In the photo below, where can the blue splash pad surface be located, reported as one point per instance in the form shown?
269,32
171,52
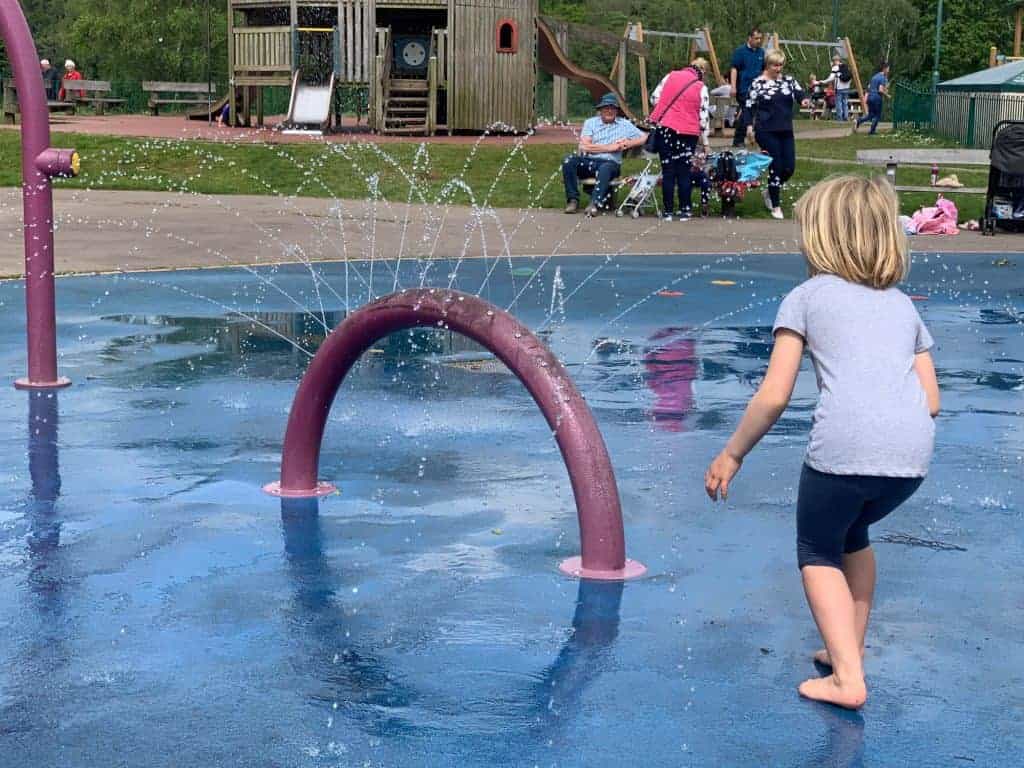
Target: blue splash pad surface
157,609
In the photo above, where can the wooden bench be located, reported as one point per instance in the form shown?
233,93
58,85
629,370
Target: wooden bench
94,92
10,103
926,158
178,93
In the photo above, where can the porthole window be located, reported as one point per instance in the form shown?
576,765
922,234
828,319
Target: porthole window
507,36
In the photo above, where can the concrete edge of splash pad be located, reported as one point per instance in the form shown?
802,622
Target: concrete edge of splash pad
60,274
101,232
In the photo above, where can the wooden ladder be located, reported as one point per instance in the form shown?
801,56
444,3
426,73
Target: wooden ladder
405,110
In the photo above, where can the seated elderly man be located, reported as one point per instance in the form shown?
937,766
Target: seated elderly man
602,141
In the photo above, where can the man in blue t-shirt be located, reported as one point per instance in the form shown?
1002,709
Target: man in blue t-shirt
602,141
747,64
877,88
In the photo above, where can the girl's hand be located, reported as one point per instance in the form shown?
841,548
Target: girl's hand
718,475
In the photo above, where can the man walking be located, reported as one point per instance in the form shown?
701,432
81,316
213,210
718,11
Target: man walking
747,64
877,89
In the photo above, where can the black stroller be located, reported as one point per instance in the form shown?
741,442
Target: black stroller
1004,199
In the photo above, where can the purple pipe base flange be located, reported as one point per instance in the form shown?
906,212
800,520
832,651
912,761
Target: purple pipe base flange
573,567
60,383
322,489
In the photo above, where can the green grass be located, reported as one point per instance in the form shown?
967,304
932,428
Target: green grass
846,148
500,176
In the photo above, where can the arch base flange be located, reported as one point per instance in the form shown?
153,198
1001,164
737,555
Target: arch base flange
573,566
322,489
26,383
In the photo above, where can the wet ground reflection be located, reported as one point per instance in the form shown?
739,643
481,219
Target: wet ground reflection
151,593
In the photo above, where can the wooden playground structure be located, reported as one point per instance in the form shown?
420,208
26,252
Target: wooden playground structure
994,57
425,65
634,42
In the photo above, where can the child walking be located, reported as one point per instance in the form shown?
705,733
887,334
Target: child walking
873,430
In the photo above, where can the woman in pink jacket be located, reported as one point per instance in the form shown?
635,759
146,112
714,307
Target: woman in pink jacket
681,118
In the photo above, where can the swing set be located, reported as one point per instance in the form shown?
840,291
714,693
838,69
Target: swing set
840,46
698,41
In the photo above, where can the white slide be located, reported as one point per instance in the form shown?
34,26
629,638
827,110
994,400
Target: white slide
309,110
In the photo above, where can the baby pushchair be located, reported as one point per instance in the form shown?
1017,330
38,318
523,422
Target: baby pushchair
1004,199
643,188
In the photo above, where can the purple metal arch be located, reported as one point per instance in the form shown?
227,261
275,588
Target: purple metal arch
583,450
38,164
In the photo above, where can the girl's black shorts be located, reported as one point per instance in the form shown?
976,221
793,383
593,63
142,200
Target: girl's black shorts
833,512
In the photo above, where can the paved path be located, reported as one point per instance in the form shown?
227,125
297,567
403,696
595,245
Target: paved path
177,127
108,231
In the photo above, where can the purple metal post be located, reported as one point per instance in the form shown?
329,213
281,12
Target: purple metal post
583,450
38,164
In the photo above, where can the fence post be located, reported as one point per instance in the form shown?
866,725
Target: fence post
970,122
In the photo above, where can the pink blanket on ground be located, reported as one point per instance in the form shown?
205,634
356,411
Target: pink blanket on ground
939,219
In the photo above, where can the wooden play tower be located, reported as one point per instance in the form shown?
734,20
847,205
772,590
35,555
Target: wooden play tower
426,65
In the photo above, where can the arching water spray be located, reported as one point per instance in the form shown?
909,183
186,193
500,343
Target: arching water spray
593,482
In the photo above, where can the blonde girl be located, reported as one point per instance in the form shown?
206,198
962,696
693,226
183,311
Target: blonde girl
873,432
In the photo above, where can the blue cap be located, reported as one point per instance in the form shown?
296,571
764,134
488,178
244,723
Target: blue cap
608,100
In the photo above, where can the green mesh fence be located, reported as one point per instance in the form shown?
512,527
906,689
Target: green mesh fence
913,108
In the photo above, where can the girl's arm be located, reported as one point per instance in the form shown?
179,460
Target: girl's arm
925,369
762,412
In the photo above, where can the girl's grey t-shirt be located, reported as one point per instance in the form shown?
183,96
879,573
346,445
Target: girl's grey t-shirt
872,415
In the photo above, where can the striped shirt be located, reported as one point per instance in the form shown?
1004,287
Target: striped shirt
600,132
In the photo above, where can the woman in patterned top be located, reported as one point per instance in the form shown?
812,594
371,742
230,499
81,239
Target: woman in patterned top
769,109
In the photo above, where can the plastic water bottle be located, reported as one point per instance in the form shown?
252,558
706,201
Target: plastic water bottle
935,173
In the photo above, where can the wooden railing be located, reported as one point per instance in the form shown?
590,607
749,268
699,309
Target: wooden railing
264,49
354,20
382,71
439,46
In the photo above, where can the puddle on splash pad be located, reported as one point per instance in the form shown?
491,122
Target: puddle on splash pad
418,617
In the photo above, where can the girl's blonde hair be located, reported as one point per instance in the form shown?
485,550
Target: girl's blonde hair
774,56
701,63
850,227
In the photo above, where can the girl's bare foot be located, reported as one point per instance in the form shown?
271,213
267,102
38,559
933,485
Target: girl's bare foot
825,660
830,690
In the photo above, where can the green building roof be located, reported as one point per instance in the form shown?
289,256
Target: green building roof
1007,78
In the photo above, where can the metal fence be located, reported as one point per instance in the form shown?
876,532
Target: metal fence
912,107
970,118
964,116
